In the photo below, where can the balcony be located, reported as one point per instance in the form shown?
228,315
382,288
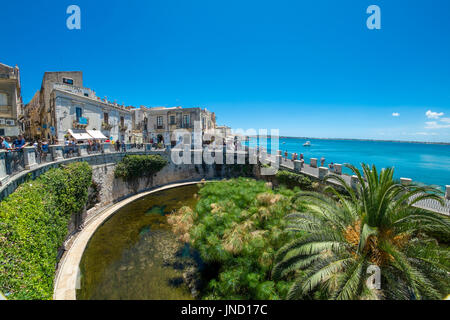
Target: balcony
187,126
106,126
81,123
159,127
123,127
8,75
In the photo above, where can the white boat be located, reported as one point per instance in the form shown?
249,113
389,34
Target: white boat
307,144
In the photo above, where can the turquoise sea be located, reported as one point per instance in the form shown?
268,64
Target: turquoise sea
425,163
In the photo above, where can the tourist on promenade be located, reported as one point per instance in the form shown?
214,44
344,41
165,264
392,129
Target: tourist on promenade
44,150
286,154
19,143
117,145
301,156
322,161
4,144
331,167
124,147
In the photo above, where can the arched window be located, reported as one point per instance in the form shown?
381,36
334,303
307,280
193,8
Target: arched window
3,99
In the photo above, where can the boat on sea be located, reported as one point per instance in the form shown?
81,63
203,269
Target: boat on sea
307,144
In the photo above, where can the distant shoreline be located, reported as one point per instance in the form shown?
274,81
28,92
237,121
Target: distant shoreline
367,140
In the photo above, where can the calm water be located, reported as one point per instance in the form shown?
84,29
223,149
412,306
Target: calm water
426,163
127,258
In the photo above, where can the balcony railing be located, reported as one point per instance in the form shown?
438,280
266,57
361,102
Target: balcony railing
8,76
123,127
106,126
159,126
81,123
187,126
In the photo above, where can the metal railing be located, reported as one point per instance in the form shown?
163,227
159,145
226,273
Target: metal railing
14,162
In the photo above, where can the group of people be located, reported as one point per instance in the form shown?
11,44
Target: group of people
118,146
18,144
94,146
14,156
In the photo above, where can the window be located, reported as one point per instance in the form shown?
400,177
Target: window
3,99
79,113
203,123
68,81
86,94
172,119
105,117
186,119
159,121
122,121
2,132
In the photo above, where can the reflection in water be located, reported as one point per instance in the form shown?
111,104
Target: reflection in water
134,255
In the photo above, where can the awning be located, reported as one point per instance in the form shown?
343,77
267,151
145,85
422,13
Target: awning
80,135
96,134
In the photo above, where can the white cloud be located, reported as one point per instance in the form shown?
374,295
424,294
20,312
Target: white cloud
433,115
446,120
396,114
426,133
435,125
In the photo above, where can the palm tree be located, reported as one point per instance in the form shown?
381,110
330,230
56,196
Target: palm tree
372,224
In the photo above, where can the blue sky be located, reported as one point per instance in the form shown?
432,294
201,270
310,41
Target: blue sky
308,68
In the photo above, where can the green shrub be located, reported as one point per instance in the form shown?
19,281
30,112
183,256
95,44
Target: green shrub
292,180
136,166
33,225
237,227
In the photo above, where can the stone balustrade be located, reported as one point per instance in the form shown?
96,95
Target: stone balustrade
405,181
354,181
298,165
322,172
338,168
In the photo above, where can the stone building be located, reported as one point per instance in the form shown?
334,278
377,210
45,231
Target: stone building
10,101
47,113
224,131
79,109
63,106
159,123
32,118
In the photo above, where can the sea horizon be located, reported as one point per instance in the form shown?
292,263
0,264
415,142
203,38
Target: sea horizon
359,139
427,163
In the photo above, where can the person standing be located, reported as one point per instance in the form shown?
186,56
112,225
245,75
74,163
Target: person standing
322,161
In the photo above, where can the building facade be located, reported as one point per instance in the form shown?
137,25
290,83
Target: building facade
10,101
78,109
63,105
47,113
158,124
32,118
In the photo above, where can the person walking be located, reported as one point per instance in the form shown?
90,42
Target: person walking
322,161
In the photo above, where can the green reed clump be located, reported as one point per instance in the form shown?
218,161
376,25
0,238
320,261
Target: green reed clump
237,226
